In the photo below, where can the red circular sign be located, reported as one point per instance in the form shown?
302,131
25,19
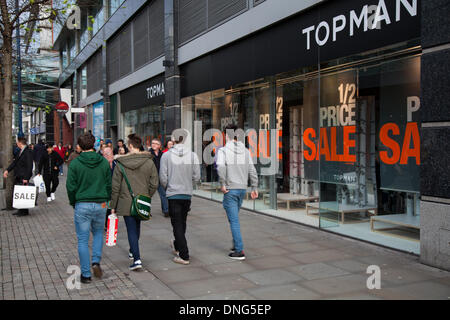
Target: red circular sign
62,107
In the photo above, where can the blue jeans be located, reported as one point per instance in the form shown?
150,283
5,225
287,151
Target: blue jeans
134,232
61,167
164,202
232,202
89,217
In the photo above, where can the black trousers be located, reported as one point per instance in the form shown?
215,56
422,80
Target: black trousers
51,180
178,210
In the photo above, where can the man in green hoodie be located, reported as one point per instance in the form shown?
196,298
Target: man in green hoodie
89,189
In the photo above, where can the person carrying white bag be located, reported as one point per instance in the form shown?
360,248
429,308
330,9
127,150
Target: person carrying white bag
49,166
39,183
23,169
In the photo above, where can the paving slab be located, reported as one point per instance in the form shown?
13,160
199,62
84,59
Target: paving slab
231,295
315,271
183,274
234,267
427,290
271,262
271,277
283,292
338,285
204,287
350,265
319,256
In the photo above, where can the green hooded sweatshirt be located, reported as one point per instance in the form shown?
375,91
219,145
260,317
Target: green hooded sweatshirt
89,179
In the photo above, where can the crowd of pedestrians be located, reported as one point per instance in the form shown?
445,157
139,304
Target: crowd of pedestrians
106,181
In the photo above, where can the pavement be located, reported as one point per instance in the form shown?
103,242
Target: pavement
284,260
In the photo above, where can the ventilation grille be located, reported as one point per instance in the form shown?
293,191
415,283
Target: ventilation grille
219,10
156,30
192,19
141,39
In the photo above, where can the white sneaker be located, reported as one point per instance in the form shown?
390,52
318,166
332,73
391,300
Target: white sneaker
179,260
52,195
49,199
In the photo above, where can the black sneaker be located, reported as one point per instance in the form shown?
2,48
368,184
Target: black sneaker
137,265
85,279
237,255
98,272
166,214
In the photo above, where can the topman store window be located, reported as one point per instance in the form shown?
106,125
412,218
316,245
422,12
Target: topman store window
142,110
336,143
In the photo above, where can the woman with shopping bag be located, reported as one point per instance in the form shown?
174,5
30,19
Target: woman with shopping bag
135,173
23,169
49,165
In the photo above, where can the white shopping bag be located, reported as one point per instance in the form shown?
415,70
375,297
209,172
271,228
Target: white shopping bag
39,182
111,230
24,197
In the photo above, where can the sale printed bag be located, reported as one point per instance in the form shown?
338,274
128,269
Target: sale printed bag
24,197
39,182
111,230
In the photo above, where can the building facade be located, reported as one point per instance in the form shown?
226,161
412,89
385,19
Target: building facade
342,104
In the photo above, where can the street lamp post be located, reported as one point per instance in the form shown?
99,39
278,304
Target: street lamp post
19,74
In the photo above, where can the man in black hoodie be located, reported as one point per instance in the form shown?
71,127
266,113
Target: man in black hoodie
38,152
50,162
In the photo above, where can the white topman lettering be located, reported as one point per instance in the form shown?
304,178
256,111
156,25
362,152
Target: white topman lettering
155,91
371,17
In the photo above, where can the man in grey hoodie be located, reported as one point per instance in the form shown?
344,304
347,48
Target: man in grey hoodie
235,166
179,167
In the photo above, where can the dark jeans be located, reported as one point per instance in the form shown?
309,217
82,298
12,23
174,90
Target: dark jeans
134,232
178,210
53,180
162,196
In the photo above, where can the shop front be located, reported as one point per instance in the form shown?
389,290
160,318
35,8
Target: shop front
142,110
328,101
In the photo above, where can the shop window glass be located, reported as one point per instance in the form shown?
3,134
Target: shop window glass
369,150
145,122
345,138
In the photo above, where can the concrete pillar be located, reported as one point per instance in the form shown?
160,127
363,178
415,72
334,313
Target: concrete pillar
172,110
105,86
435,134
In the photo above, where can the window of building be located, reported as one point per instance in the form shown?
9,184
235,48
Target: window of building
64,57
338,149
114,5
145,122
83,82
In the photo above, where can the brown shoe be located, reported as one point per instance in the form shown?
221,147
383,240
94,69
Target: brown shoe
98,273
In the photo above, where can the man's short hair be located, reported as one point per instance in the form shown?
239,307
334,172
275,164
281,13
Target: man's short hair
22,140
135,141
48,146
232,129
157,140
86,141
177,139
120,140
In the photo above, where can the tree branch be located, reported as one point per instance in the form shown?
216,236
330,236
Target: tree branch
28,7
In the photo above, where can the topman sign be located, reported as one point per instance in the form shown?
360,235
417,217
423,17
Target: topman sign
371,17
155,90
